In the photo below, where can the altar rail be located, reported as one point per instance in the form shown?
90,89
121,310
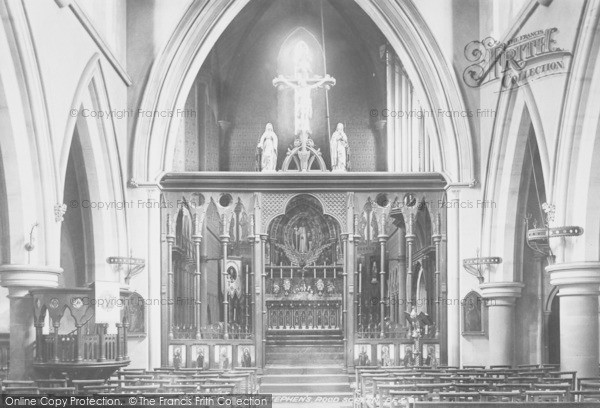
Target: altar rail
303,315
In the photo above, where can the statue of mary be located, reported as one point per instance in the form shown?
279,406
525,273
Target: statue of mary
267,149
339,149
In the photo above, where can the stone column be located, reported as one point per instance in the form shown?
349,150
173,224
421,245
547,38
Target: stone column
19,279
500,299
578,287
22,335
454,268
154,272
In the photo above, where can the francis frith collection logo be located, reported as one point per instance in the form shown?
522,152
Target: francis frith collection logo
515,62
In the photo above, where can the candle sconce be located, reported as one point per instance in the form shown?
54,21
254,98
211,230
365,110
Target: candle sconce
134,265
538,238
476,266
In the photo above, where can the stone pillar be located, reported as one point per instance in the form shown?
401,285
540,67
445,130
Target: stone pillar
22,335
20,279
154,267
578,287
500,299
454,268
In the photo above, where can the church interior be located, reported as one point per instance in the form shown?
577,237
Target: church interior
336,202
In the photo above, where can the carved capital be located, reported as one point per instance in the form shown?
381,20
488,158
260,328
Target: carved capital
59,212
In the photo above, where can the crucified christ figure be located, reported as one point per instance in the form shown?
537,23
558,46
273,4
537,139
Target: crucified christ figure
303,83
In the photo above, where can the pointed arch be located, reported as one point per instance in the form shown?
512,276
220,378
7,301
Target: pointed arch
28,160
577,176
173,74
101,158
518,118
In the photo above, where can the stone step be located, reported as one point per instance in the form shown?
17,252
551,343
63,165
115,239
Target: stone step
285,369
297,387
287,360
296,348
306,336
300,341
304,352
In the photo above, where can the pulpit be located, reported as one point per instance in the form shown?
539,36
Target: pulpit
69,342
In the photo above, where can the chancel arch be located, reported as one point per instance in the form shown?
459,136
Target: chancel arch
192,41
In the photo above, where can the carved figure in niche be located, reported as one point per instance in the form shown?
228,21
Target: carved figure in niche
339,149
267,149
302,239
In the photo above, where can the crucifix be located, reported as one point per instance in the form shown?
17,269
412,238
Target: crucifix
303,83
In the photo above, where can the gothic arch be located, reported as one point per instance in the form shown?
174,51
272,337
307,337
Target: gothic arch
176,67
517,118
25,143
102,163
576,178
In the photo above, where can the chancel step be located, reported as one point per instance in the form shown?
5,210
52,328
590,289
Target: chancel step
290,370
